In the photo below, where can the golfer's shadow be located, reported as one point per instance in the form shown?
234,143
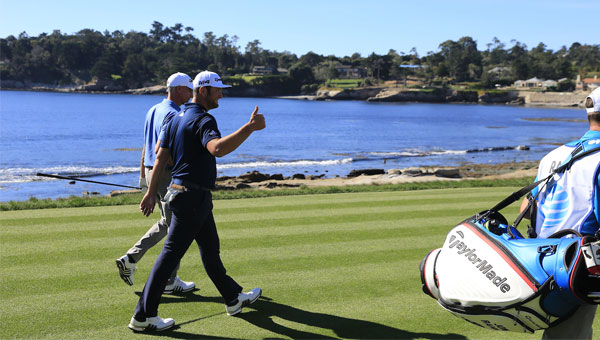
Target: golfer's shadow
266,309
187,297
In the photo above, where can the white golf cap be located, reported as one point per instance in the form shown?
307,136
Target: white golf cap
595,96
180,79
207,78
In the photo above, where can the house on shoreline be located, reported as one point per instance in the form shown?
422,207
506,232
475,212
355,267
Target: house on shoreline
537,83
587,83
267,70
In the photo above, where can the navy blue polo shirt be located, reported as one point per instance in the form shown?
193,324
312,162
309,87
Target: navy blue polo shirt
186,136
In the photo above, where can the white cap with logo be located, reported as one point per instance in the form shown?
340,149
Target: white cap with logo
595,96
207,78
179,79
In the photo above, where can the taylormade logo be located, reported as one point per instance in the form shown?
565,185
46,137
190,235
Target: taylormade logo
483,266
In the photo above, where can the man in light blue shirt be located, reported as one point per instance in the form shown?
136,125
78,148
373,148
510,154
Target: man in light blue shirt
571,201
179,91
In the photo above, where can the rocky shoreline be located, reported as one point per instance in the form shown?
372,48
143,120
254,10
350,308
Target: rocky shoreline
392,94
257,180
371,94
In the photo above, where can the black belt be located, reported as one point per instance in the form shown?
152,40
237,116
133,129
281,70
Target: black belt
168,167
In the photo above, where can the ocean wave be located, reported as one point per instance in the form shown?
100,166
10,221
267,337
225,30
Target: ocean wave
277,164
17,175
418,153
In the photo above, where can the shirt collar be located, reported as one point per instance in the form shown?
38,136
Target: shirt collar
591,134
171,104
196,106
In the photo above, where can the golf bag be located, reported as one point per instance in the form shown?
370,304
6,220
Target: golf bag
486,273
506,282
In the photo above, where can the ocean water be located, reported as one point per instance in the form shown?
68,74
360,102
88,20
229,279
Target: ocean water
100,136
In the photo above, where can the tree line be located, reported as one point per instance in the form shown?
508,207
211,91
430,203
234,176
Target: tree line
138,59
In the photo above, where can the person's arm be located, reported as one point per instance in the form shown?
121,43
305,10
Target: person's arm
220,147
142,172
143,184
524,206
157,147
158,143
149,200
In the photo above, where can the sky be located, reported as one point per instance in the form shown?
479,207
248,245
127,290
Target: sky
326,27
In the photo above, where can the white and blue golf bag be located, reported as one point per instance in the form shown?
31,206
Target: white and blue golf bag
502,281
488,274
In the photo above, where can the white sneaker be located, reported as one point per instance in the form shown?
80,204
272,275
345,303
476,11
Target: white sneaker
126,269
155,323
179,286
244,299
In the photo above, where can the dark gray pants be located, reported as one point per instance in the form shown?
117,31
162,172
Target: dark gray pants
192,220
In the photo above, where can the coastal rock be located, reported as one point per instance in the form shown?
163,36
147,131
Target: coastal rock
157,89
90,193
503,97
298,176
115,193
352,94
499,148
253,177
412,172
409,95
462,96
100,86
276,177
394,172
447,173
242,186
269,185
367,172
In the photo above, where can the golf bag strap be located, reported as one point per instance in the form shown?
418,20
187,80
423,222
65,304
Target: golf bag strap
575,155
532,207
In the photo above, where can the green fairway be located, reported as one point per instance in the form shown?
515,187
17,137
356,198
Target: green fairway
331,266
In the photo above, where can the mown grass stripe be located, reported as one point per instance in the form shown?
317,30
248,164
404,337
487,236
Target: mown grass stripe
330,269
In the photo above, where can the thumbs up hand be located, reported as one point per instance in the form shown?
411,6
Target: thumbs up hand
257,120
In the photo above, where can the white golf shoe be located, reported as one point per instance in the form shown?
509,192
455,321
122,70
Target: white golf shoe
155,323
244,299
179,286
126,269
